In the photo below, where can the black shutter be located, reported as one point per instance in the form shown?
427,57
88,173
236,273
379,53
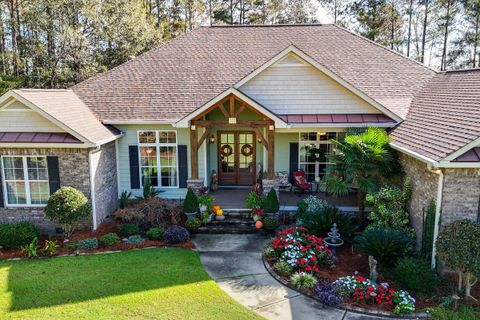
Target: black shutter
53,174
293,159
1,187
182,166
134,167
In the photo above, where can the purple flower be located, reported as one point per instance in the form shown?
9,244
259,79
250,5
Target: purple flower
326,292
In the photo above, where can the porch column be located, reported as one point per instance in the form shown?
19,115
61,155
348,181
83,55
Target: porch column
193,152
271,152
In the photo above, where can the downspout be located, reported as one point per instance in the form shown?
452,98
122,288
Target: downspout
438,211
92,186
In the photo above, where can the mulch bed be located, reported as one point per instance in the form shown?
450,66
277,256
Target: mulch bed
348,262
104,228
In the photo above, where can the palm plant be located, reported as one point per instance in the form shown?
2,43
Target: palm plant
359,161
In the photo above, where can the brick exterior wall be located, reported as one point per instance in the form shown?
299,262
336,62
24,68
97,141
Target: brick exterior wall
461,195
105,181
424,189
74,172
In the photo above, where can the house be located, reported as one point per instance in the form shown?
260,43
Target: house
240,100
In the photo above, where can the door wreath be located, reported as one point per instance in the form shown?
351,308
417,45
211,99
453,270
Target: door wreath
226,150
247,150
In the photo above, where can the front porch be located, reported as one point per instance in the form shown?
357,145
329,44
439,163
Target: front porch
234,198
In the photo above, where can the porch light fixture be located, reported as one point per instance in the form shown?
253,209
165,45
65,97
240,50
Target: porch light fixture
321,133
271,127
212,139
232,120
193,128
259,140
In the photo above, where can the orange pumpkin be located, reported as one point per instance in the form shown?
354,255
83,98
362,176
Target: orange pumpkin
259,224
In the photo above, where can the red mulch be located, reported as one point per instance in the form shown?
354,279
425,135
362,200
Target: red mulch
350,261
103,229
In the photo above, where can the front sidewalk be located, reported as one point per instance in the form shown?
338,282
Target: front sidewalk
234,262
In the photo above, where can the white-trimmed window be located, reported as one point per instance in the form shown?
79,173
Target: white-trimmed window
314,148
25,180
157,150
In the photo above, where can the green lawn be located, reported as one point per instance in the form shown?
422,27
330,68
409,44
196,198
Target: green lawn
139,284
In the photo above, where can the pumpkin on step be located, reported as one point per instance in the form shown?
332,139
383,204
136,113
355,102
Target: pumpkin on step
259,224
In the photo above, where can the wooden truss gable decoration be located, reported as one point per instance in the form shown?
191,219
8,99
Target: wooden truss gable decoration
231,120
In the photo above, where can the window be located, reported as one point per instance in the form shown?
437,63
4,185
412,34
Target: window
314,148
25,180
158,158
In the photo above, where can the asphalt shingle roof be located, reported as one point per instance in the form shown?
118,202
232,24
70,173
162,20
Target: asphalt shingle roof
172,80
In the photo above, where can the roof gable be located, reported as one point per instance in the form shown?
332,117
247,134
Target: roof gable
294,83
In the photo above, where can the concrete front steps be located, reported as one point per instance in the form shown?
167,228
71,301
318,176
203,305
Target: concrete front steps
236,222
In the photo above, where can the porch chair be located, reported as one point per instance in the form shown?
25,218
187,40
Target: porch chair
281,180
300,183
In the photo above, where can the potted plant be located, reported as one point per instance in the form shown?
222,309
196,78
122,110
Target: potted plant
271,206
205,202
190,204
257,214
217,210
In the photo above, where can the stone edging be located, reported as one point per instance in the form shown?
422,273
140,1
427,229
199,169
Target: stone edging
420,315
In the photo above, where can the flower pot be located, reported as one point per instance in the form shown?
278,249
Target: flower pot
203,208
191,215
256,218
220,218
210,218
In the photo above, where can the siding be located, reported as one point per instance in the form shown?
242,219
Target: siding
18,118
130,138
292,88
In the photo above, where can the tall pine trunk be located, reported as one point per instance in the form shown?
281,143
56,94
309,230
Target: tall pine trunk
445,38
13,28
2,42
409,36
475,43
424,34
361,195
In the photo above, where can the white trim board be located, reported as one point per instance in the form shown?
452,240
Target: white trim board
303,56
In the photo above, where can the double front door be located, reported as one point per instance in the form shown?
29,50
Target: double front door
236,158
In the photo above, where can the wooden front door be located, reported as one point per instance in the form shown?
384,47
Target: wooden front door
236,158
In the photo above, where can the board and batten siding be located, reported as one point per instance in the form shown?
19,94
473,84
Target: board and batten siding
19,118
130,139
292,86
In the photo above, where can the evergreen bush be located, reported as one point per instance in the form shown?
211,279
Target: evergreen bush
271,204
16,235
416,275
190,204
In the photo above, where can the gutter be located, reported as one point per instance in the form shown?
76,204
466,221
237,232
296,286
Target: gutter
92,186
438,211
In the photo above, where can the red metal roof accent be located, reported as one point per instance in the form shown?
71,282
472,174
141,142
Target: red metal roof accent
472,155
37,137
336,118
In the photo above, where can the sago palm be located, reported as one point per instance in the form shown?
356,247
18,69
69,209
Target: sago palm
359,161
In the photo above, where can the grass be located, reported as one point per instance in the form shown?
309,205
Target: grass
139,284
462,313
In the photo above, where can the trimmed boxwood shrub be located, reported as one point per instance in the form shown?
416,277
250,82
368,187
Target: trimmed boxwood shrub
193,223
135,239
66,207
110,239
18,234
128,229
176,234
155,233
417,275
88,244
271,204
270,223
190,204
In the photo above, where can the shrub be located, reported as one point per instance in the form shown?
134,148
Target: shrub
31,249
271,204
193,223
176,234
320,221
254,200
50,247
110,239
387,244
282,266
329,293
67,206
18,234
190,204
303,280
390,208
302,251
312,204
124,198
416,275
135,239
88,244
459,247
152,212
464,312
207,201
270,223
155,233
149,191
128,229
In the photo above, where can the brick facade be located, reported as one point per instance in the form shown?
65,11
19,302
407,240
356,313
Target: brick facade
424,189
74,172
460,197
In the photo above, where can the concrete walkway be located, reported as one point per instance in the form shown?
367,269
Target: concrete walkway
235,263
